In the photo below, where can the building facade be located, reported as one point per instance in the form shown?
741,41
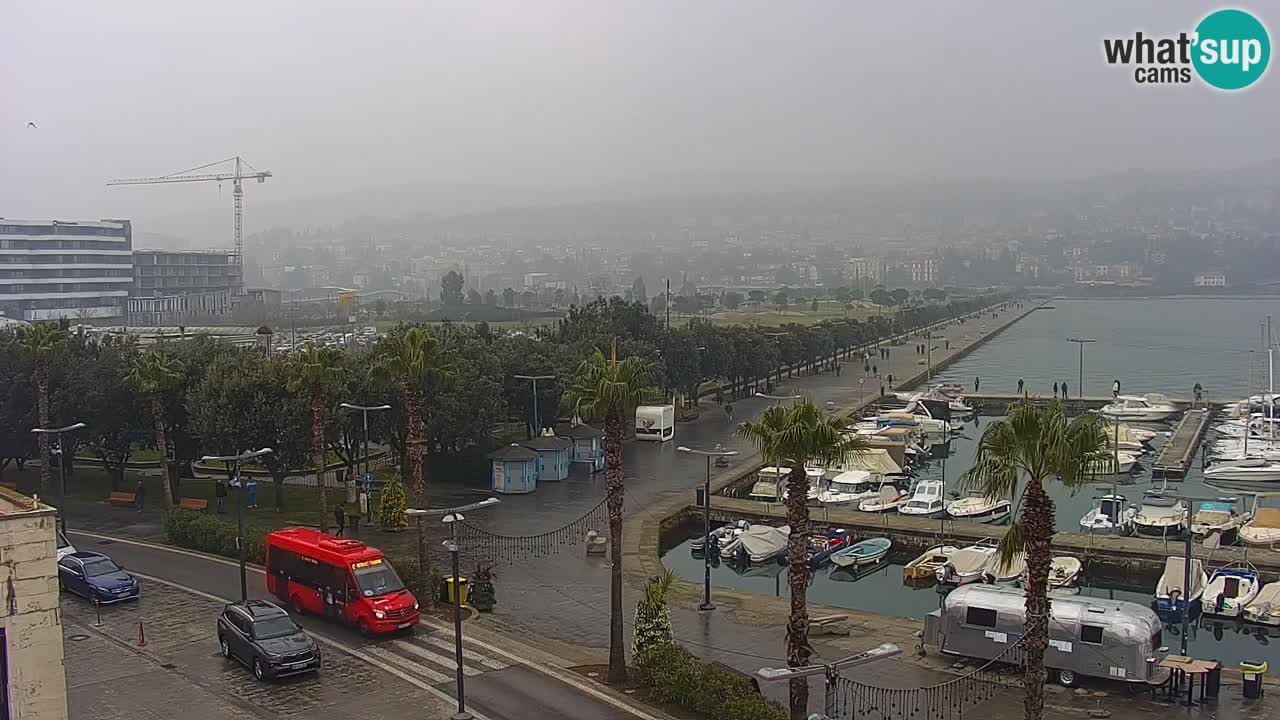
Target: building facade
32,680
1210,280
177,287
51,269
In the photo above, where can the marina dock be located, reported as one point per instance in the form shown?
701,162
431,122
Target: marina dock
998,403
1177,454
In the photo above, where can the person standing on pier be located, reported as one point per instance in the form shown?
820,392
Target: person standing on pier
1020,385
1198,392
976,382
1115,389
1055,389
1064,389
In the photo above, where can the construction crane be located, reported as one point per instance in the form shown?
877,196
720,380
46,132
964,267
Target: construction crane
241,171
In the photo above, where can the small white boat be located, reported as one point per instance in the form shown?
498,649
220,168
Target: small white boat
889,498
926,565
859,554
966,564
1003,573
1064,572
697,543
1217,517
1120,462
1265,608
1162,517
1142,434
847,489
1172,592
1263,530
1123,437
926,501
1255,469
979,508
1111,516
759,543
1229,590
1141,408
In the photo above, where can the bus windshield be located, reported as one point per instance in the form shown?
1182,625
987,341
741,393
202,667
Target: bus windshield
377,579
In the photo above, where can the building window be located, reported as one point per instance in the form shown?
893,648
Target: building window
1091,634
982,617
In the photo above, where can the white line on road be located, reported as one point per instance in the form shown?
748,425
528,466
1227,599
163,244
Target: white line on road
484,660
440,660
409,665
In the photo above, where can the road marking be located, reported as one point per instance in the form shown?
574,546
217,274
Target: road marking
442,661
359,655
468,654
409,665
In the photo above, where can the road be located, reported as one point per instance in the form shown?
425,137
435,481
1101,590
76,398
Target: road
499,685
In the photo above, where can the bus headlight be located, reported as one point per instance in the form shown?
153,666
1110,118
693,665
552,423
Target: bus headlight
415,604
379,614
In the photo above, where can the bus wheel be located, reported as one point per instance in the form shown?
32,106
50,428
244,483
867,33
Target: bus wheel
296,603
364,627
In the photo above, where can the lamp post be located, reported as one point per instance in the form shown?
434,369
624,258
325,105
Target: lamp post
62,471
537,419
706,520
233,473
831,671
1081,342
452,516
365,410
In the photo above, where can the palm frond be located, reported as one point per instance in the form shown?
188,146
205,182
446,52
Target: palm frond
1012,544
609,384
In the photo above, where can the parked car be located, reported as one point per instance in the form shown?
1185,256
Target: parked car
65,547
95,577
263,637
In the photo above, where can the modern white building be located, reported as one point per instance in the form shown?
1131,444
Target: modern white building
52,269
1210,279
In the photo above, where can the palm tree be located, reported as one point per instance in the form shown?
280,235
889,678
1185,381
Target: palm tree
40,342
414,359
316,372
795,436
611,388
1035,444
154,373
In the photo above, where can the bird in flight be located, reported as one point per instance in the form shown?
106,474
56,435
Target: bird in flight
31,125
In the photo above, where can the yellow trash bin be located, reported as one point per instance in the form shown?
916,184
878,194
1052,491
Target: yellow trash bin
462,590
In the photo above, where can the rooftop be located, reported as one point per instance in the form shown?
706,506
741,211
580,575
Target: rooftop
14,503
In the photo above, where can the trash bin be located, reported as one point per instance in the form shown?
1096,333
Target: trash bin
1213,681
462,590
1253,672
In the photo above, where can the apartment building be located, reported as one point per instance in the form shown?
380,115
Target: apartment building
51,269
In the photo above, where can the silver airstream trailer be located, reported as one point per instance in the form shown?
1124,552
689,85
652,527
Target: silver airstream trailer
1088,637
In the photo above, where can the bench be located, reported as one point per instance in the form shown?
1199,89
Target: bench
193,504
122,499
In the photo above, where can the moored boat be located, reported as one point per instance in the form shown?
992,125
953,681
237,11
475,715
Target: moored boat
1250,469
1111,516
1264,609
1263,530
979,508
696,545
1004,573
821,547
926,565
1172,591
926,501
1217,517
1064,572
867,552
1162,517
1141,408
966,564
889,498
759,543
1229,590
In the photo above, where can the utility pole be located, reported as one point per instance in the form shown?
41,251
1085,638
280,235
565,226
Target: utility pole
1081,342
62,471
706,520
537,418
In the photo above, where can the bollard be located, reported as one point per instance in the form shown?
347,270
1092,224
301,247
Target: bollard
142,635
97,612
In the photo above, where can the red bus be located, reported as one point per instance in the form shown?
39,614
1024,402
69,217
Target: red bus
344,580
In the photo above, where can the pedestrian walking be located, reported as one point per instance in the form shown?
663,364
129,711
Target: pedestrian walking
837,369
340,516
1115,389
362,504
1064,389
1198,392
1020,385
976,382
140,495
251,488
866,368
875,370
728,410
1055,389
220,492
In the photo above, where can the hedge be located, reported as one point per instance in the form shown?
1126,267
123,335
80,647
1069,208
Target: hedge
675,676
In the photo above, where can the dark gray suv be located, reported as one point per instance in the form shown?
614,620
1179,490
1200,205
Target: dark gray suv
263,637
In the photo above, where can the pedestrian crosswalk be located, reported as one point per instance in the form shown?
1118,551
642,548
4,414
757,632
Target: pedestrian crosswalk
430,657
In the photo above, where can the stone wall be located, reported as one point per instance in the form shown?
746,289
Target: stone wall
29,611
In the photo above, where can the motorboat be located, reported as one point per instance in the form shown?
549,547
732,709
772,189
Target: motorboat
847,489
1264,403
966,565
1160,516
728,539
1263,530
889,498
1140,408
696,545
926,565
769,485
979,508
759,543
1229,590
1256,469
1111,516
1144,435
1264,609
1064,572
822,546
1217,517
1004,573
814,478
1122,437
926,501
867,552
1172,591
1120,462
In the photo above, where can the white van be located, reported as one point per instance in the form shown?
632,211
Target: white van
656,422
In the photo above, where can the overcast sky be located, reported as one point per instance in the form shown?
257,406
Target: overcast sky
338,95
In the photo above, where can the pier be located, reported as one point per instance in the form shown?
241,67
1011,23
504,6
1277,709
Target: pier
1178,453
998,403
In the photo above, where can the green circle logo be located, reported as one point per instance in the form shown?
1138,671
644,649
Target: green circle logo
1232,49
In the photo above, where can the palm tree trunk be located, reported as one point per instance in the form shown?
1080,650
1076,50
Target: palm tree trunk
317,452
166,483
798,649
41,380
613,477
1037,521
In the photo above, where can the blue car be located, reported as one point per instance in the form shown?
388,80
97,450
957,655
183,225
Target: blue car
96,577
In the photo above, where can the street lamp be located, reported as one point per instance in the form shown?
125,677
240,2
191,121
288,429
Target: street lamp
368,476
706,520
453,516
233,473
62,472
537,419
1081,342
831,671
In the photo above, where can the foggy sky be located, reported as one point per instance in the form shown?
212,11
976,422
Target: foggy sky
569,94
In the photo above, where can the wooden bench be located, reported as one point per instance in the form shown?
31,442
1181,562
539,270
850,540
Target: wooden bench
193,504
122,499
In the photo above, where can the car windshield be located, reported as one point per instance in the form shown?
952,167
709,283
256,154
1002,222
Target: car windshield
274,627
62,540
99,566
378,579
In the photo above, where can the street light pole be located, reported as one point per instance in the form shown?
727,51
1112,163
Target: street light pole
453,516
233,473
364,410
830,671
537,419
62,468
706,521
1081,342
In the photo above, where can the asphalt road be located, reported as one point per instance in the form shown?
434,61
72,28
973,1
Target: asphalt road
497,688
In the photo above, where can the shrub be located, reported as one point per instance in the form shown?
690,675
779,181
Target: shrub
677,677
407,569
199,531
391,505
653,618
